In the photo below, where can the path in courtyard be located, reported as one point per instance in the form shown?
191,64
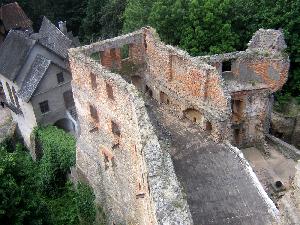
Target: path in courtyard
219,188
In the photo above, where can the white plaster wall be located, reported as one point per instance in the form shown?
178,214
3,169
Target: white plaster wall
38,49
27,120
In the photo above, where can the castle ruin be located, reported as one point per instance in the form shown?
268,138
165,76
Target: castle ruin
158,128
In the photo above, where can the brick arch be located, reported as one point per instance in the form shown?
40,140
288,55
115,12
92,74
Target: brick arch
193,115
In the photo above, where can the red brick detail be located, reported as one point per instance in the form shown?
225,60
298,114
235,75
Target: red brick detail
111,58
107,153
261,68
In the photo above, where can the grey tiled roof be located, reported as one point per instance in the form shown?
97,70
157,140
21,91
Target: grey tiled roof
51,37
16,49
33,77
13,53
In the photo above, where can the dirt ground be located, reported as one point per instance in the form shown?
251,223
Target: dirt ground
271,168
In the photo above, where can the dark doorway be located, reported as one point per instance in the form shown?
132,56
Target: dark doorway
164,98
68,99
237,134
65,124
137,81
237,106
208,127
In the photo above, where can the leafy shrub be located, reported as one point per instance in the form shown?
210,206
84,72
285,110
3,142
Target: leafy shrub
20,203
38,193
282,101
63,208
58,156
85,203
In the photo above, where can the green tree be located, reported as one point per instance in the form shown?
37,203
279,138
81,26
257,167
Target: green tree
20,202
58,156
170,19
136,14
104,19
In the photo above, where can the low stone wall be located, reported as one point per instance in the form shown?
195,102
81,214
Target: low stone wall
285,148
286,128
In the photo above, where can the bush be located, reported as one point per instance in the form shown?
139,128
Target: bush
63,208
20,203
59,154
282,101
38,193
85,203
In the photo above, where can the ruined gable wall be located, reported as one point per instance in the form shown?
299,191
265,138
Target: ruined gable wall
131,176
175,69
264,61
273,72
178,80
117,185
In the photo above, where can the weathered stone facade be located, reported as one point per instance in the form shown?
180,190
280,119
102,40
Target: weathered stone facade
119,152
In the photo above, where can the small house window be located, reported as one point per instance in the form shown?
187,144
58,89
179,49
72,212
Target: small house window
60,77
44,107
68,99
93,80
94,113
115,128
109,91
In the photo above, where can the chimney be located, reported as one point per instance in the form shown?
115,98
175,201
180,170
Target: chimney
63,27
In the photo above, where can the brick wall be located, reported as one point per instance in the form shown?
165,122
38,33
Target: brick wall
125,168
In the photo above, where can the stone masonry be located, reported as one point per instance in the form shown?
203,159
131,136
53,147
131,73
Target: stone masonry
227,97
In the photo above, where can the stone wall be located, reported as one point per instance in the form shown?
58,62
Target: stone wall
286,149
174,75
286,128
118,152
250,77
251,123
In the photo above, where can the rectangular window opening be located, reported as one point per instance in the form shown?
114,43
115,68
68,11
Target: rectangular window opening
94,114
96,56
44,107
115,129
109,91
60,77
125,52
226,66
93,81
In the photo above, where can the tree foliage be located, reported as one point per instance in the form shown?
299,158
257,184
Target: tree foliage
103,19
136,14
38,192
218,26
19,204
58,156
